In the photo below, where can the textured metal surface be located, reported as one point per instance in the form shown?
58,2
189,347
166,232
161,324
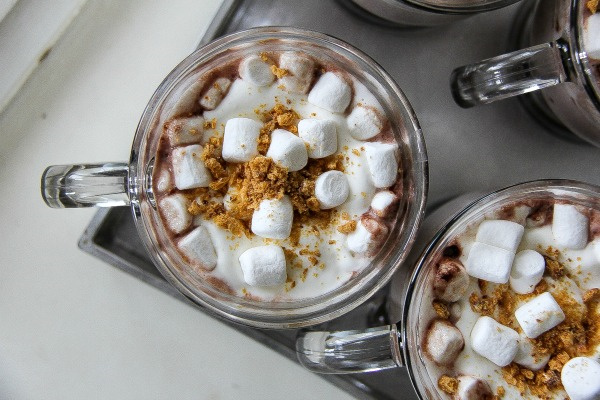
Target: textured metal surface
472,150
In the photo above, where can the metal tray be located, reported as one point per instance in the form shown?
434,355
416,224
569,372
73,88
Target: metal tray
471,150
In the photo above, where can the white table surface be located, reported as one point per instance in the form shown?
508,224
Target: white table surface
71,326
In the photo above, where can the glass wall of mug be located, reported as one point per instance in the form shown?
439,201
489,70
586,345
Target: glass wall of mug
415,13
557,69
439,304
186,227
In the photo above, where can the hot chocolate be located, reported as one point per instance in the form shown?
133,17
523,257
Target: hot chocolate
514,305
278,180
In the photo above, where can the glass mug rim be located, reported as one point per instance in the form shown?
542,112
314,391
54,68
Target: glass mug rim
483,204
466,8
342,299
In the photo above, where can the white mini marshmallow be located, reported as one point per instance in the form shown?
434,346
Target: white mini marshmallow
174,209
264,266
185,130
500,233
188,168
443,342
539,315
494,341
198,247
215,93
331,93
527,357
288,150
581,378
451,280
382,202
300,71
596,249
320,135
471,388
382,163
255,71
273,218
240,140
360,240
331,189
569,226
364,123
527,271
591,36
489,263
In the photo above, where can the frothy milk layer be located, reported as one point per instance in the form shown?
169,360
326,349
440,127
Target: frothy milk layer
582,273
319,260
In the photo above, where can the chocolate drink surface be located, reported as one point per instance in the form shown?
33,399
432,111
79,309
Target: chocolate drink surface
282,182
513,307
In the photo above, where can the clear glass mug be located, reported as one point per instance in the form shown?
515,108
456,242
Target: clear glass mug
120,184
553,67
415,13
400,345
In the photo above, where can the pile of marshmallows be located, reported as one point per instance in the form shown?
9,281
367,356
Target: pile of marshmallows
265,265
492,258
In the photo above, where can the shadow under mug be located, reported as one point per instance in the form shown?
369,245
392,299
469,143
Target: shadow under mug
421,13
122,184
400,345
562,81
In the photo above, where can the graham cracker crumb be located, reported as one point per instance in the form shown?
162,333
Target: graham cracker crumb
348,227
592,5
278,72
448,384
441,309
212,124
500,391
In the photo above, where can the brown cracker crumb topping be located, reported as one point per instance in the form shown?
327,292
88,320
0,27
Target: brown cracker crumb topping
448,384
441,309
592,5
348,227
278,72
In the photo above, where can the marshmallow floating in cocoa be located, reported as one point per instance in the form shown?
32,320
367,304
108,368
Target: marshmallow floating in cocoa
471,388
254,70
489,263
175,212
240,140
383,203
382,163
188,168
451,280
364,123
300,70
331,93
215,93
527,271
569,226
591,36
287,150
500,233
331,189
320,135
494,341
198,248
527,357
264,266
581,378
443,342
539,315
366,236
185,130
273,218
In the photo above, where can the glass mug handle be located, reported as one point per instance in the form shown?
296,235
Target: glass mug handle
85,185
509,75
344,352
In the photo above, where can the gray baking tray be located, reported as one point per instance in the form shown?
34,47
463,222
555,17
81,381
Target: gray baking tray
473,150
